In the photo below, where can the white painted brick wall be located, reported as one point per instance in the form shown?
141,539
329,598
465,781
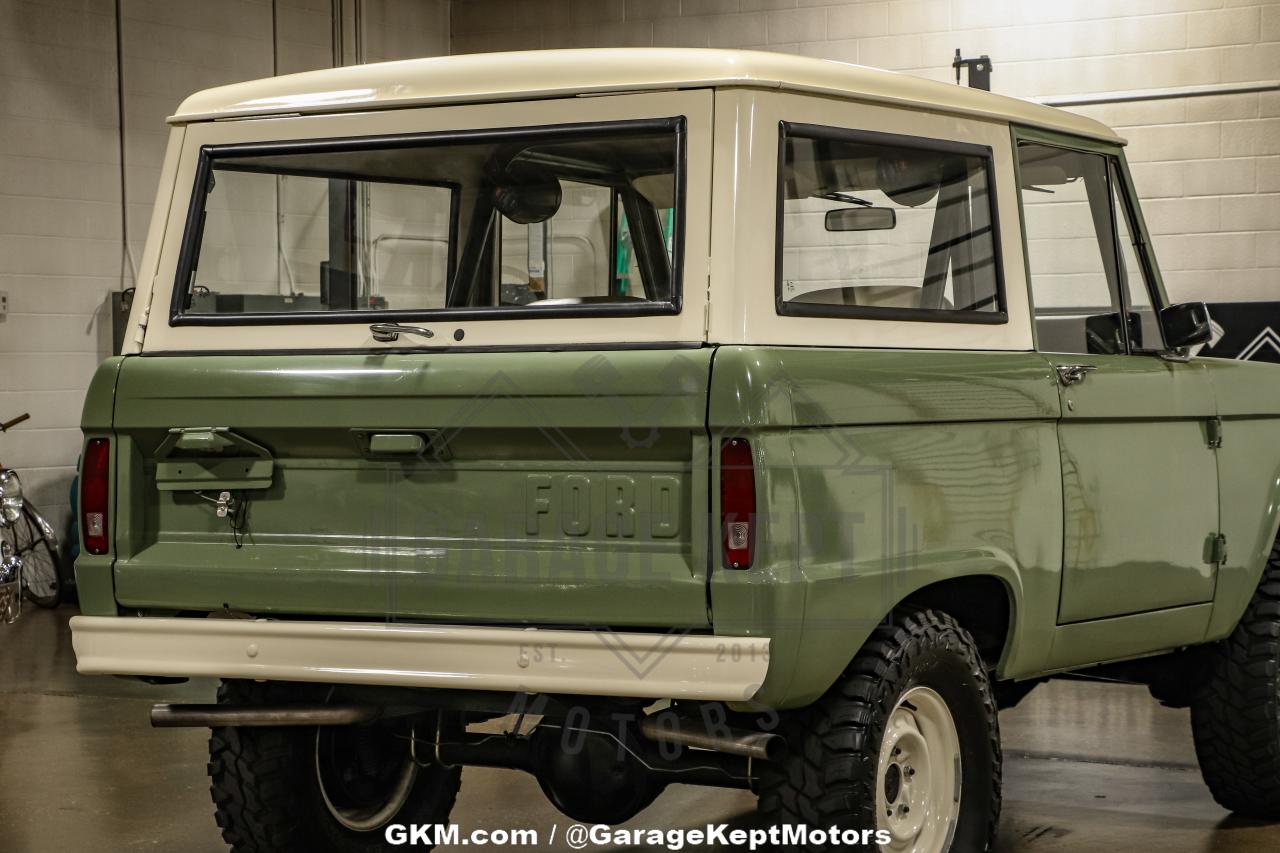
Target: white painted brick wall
60,171
1208,168
59,226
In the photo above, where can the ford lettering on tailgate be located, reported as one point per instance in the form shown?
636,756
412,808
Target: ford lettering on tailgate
614,505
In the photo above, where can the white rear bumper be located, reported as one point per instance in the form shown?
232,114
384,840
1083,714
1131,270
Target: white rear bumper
601,663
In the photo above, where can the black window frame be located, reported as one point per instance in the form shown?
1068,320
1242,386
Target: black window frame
985,153
193,228
1122,201
1122,204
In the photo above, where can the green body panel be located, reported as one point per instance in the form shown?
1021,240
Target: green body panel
567,494
100,399
1248,401
882,473
1139,486
775,387
1087,643
94,583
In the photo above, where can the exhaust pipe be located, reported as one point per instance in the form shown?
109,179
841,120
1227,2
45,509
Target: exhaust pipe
210,716
759,746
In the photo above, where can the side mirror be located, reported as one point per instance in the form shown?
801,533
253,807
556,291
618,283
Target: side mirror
861,219
1186,325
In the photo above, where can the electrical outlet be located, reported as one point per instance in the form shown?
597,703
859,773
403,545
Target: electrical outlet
4,303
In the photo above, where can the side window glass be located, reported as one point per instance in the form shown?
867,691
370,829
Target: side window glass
1144,322
884,227
1067,212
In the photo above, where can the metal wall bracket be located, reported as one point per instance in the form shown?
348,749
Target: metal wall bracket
979,71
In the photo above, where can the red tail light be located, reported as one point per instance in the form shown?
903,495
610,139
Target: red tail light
737,503
95,475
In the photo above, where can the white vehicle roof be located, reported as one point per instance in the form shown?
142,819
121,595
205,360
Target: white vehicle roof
489,77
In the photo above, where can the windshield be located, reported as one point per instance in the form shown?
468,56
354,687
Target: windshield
535,222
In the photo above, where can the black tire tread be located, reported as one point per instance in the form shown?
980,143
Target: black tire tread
836,737
1235,718
252,787
255,779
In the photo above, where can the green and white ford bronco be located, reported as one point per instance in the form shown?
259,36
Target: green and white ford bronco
716,417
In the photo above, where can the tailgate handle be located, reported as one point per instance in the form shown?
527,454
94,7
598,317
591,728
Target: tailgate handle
419,444
218,459
397,444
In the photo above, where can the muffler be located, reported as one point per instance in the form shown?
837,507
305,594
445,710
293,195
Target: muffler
211,716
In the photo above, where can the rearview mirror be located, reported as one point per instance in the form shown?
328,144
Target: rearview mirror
861,219
1185,325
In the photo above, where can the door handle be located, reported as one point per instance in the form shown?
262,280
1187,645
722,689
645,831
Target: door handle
388,332
1073,374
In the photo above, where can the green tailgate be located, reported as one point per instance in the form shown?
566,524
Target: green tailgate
520,487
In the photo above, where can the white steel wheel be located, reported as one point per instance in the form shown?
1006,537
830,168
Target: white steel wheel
365,777
919,775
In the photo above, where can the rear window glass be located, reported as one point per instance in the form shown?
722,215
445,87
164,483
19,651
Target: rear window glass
881,226
531,222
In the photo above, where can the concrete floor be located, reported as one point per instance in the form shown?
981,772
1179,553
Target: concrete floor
1087,767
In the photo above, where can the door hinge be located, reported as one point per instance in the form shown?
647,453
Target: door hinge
1217,549
1213,429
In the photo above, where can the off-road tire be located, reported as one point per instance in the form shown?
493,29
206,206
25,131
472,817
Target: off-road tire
266,793
1235,717
829,777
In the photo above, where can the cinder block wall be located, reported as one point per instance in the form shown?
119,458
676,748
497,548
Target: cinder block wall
1209,167
63,169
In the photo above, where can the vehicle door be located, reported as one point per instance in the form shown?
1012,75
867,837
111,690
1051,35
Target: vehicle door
1140,486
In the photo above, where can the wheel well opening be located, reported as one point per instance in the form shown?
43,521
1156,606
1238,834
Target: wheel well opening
980,603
